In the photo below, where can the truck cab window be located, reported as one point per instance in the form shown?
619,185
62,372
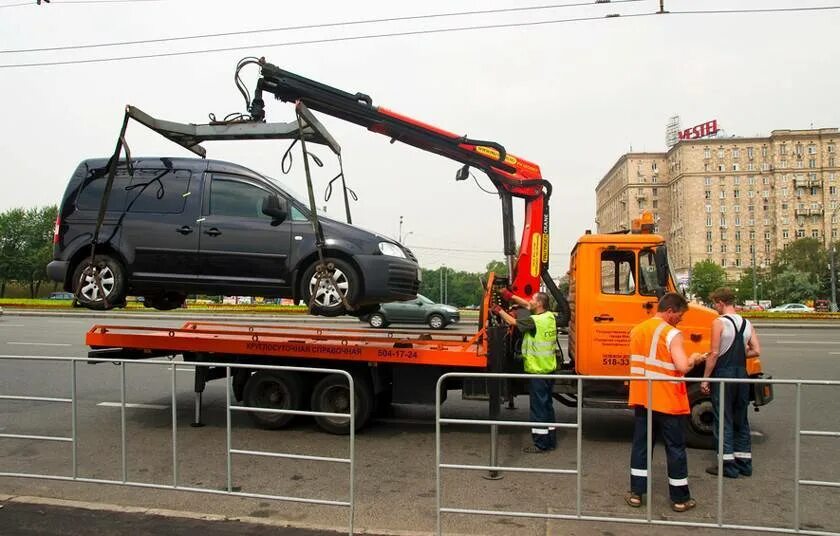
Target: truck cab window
617,272
648,276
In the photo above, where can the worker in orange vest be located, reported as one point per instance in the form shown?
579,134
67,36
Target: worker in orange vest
656,348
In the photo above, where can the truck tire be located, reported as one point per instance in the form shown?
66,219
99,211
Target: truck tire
275,390
331,394
699,432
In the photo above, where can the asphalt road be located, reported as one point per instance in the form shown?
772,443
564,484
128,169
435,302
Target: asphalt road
395,484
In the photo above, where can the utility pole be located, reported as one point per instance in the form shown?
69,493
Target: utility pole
754,275
833,246
441,284
399,234
445,284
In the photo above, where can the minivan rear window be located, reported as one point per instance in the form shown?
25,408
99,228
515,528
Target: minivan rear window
158,191
90,197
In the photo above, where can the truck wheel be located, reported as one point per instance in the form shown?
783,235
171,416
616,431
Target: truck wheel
436,322
377,320
275,390
699,433
327,301
331,394
102,290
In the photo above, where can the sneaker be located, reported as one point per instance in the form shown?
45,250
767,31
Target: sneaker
713,470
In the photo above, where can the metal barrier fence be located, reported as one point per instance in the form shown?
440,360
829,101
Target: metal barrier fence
229,408
578,426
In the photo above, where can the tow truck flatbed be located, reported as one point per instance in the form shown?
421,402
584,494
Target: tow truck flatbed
283,341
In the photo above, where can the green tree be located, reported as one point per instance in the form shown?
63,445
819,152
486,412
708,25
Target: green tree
744,285
793,286
38,234
499,267
12,246
706,276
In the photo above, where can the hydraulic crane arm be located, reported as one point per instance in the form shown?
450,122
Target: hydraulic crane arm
511,175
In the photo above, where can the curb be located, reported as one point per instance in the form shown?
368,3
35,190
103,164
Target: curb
182,514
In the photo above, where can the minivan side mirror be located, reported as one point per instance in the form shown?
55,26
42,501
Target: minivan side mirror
275,207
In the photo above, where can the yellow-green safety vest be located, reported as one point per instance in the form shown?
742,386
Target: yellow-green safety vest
539,349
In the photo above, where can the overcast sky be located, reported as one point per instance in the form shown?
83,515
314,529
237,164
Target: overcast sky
571,97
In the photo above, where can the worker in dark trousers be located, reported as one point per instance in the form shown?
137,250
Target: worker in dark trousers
733,340
539,346
656,351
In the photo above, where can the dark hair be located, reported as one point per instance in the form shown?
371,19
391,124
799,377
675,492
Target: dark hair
672,301
542,299
723,294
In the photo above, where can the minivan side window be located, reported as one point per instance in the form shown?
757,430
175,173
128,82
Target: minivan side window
236,198
297,215
158,191
90,196
648,280
617,272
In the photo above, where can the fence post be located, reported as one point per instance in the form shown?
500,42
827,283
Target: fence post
796,455
74,410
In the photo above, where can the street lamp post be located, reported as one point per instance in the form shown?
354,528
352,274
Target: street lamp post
833,265
754,275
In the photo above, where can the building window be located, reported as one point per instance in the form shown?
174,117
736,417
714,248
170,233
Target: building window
723,221
751,179
749,152
830,147
707,181
723,234
767,235
800,233
799,149
752,248
723,248
708,208
782,149
831,161
722,194
708,236
708,248
783,163
751,208
737,248
815,233
785,234
737,208
723,262
655,191
784,206
708,221
834,233
736,194
784,192
738,261
723,209
737,235
767,248
707,194
813,190
736,180
752,235
764,151
736,167
784,221
800,164
737,221
653,166
721,167
812,149
655,203
707,153
736,153
720,153
765,181
832,190
750,166
812,163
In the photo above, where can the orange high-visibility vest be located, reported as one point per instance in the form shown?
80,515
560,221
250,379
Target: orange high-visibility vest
651,358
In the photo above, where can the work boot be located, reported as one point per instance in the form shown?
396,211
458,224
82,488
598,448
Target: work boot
713,470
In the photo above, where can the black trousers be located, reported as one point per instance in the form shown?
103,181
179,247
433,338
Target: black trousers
542,410
671,429
737,443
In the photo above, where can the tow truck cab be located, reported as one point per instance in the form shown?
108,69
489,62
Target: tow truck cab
615,281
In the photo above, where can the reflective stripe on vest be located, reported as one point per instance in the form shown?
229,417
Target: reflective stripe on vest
654,336
539,349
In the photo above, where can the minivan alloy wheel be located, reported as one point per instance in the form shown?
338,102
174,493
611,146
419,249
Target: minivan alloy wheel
90,286
326,294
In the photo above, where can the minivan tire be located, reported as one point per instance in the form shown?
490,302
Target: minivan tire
113,283
328,303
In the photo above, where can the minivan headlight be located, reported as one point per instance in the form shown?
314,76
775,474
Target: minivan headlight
393,250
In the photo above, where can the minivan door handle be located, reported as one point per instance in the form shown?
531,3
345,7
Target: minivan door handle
603,318
185,230
212,232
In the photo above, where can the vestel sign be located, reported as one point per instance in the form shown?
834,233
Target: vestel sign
709,128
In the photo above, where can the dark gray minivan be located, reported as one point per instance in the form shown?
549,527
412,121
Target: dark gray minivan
178,226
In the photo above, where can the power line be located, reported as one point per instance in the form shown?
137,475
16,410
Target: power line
313,41
462,250
405,34
33,3
311,26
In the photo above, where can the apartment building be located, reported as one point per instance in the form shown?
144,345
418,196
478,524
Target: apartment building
735,201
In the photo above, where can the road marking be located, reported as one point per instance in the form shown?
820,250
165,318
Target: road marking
129,405
807,342
40,343
11,325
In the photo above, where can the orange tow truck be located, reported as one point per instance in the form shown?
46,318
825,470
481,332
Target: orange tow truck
615,280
